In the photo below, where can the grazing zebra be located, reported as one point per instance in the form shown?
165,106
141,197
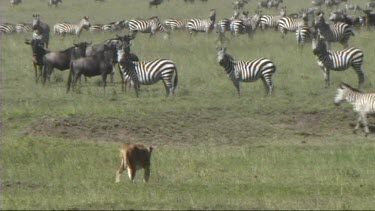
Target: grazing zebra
363,103
337,60
147,73
240,71
339,32
151,26
41,30
272,21
246,25
291,24
7,28
69,28
303,35
54,2
15,2
23,27
110,27
202,25
176,24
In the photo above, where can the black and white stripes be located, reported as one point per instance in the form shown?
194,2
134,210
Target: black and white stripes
70,28
7,28
339,32
272,21
151,26
337,60
363,103
202,25
292,24
240,71
150,72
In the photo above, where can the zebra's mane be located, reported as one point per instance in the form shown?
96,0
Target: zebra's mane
351,88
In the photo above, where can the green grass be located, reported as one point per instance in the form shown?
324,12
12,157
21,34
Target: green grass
294,150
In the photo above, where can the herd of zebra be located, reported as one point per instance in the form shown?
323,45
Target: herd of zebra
309,25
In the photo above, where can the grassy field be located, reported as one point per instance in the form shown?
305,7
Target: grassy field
294,150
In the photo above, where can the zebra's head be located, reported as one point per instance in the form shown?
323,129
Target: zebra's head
85,23
283,11
318,44
341,93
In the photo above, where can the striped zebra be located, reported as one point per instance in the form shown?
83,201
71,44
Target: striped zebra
337,60
225,24
245,25
202,25
363,103
176,24
291,24
303,35
41,30
69,28
23,28
7,28
151,26
54,2
110,27
272,21
339,32
240,71
147,73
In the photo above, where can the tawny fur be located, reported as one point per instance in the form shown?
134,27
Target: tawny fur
135,157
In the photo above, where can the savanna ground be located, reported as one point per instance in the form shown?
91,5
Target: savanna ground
294,150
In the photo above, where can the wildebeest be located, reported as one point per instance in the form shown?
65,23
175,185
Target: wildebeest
100,63
61,59
339,16
155,3
38,52
113,43
369,19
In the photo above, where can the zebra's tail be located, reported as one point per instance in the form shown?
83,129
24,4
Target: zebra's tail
175,82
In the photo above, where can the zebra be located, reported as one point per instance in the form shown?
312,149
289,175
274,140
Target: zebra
363,103
291,24
149,72
202,25
337,60
240,71
303,34
110,27
7,28
23,27
176,24
54,2
339,32
151,26
41,30
246,25
272,20
69,28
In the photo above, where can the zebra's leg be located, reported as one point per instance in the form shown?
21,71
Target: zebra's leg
268,85
364,122
326,76
238,88
168,87
136,87
357,125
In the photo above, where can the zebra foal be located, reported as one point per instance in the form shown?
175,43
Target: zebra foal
337,60
240,71
147,73
363,103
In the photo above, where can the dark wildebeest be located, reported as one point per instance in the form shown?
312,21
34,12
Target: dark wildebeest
155,3
38,52
369,19
100,63
113,43
54,2
61,59
41,30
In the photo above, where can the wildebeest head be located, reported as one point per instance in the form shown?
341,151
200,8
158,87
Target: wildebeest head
36,21
79,49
